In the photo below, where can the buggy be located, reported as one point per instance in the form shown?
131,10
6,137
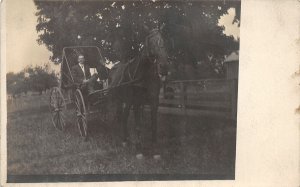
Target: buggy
69,95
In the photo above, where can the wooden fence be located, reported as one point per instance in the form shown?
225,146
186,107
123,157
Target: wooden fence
27,102
209,97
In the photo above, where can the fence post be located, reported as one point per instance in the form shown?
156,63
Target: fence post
183,96
183,105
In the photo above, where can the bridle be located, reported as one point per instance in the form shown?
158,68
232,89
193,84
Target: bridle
148,56
147,43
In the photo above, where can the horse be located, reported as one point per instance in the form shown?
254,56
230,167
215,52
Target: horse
137,83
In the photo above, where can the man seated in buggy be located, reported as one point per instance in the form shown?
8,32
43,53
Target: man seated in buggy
84,80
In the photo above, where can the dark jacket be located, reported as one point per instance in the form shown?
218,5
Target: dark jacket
78,75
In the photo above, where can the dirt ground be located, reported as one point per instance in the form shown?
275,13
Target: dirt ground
195,145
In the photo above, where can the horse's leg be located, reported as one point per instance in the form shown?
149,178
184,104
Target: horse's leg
119,110
125,114
137,116
154,109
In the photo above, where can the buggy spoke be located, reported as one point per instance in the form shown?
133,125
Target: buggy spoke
57,120
81,113
57,96
61,102
79,126
76,103
56,107
55,116
52,109
60,121
63,115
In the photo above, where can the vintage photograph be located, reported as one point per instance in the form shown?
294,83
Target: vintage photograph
121,90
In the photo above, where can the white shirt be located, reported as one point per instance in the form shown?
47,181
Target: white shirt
93,71
82,68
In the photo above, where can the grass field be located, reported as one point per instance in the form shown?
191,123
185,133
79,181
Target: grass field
187,146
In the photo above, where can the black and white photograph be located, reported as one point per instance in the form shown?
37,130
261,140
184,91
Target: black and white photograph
127,90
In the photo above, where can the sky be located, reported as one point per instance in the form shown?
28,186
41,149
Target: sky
230,29
23,49
21,46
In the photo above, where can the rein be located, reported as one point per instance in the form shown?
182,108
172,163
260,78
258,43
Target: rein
144,54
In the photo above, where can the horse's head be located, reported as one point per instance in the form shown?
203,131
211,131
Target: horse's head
156,50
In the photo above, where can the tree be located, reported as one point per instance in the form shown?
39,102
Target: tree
16,83
41,78
117,28
37,79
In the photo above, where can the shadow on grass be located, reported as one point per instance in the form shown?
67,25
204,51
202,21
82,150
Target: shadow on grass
191,146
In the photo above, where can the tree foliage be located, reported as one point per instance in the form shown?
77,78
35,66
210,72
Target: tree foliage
16,83
118,28
36,79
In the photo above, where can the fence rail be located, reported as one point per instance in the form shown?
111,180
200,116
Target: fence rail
209,97
27,102
214,97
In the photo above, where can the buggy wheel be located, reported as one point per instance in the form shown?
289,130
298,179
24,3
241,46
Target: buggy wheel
57,107
81,113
